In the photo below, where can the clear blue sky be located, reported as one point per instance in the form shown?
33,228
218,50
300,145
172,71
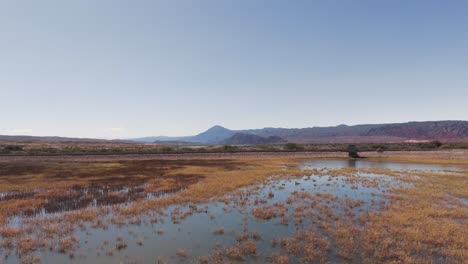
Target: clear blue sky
109,68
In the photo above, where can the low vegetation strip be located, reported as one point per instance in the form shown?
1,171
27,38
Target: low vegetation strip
95,148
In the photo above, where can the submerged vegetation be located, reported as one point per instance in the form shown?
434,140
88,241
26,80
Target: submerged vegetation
366,215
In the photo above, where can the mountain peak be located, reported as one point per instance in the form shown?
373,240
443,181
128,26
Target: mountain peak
217,128
213,135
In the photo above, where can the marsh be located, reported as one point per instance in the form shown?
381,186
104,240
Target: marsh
234,209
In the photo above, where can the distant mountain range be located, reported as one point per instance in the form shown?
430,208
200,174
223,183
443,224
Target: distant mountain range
372,133
397,132
251,139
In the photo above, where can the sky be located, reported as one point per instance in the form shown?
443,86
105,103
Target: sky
123,69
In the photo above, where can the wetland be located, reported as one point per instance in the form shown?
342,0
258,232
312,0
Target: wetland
234,209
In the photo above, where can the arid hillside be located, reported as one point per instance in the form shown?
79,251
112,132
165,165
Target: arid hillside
366,133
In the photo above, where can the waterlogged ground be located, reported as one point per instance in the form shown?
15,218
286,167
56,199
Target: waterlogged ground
369,164
317,216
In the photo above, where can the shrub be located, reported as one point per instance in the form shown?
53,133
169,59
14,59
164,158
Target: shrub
458,145
378,147
430,145
293,146
9,148
436,143
229,148
167,149
72,149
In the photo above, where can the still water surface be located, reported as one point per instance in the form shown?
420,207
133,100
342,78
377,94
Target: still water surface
146,242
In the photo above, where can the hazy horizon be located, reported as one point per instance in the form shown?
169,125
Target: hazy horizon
127,69
18,133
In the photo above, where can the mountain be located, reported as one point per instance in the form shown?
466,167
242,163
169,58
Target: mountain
399,132
423,130
250,139
213,135
313,134
367,133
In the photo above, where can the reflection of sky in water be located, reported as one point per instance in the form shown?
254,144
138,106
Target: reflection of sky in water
195,233
363,164
464,200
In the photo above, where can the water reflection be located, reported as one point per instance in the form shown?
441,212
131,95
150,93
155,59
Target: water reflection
363,164
351,163
195,235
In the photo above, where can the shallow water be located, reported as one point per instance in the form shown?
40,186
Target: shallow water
195,233
367,164
79,197
146,241
85,197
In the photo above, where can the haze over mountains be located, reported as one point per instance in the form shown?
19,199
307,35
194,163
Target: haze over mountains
370,133
397,132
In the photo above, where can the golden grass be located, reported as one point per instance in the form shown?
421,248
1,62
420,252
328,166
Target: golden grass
249,247
280,259
39,177
422,223
218,231
219,182
8,232
13,207
66,244
81,215
26,245
182,253
308,245
428,157
267,212
235,253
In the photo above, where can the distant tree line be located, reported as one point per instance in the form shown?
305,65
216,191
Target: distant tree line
12,149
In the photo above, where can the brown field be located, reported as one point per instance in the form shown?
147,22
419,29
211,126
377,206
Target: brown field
422,222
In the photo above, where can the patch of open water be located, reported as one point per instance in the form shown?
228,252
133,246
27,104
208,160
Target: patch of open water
147,241
366,164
